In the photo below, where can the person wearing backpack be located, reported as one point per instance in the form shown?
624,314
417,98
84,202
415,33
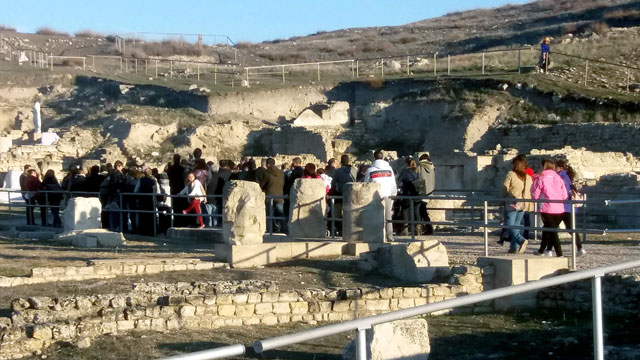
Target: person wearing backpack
425,185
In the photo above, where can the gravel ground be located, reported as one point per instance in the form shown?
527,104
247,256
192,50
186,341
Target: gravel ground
601,250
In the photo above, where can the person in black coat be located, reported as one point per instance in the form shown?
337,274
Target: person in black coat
53,197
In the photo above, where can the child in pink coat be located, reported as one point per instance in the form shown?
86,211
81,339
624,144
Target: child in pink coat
549,185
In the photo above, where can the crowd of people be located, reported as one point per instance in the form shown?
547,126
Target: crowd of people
188,193
191,191
556,181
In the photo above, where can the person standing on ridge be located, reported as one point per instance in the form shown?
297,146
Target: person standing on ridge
545,50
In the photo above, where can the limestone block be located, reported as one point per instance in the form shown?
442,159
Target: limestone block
101,237
308,118
402,339
107,238
363,213
247,256
82,213
308,206
49,138
419,261
337,114
515,270
84,241
5,143
244,220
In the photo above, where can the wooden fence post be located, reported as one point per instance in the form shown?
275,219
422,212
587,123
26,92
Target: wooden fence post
586,72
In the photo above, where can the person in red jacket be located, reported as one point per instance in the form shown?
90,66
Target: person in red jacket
32,186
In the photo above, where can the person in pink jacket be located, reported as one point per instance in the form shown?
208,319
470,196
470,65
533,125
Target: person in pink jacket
549,185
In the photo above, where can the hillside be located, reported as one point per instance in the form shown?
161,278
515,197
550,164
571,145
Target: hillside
455,33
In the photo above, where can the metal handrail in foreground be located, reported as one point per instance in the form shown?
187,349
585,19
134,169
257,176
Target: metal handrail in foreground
217,353
361,325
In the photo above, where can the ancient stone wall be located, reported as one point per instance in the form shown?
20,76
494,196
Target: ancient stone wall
37,322
597,137
620,294
106,269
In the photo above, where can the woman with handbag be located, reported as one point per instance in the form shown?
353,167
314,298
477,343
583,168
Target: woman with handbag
517,185
195,191
549,185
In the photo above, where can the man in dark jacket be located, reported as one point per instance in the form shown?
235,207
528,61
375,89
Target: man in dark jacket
425,185
176,173
345,174
272,183
116,186
93,181
297,171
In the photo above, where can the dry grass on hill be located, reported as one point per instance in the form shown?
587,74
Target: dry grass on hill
45,30
87,34
7,28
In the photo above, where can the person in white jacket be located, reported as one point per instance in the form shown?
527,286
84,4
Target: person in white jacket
196,194
381,172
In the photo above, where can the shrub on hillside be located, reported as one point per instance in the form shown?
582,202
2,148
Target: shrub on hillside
72,62
111,38
244,45
407,39
171,47
7,28
87,34
626,14
50,32
599,28
136,53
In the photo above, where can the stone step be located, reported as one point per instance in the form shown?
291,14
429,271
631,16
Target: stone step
196,235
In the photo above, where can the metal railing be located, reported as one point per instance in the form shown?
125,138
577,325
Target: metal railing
363,324
485,225
127,205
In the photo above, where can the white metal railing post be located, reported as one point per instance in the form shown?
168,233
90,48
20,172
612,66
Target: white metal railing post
482,63
247,70
486,229
353,69
584,219
283,79
535,220
448,64
519,61
318,71
156,68
574,266
413,219
586,72
361,344
596,295
408,72
357,68
435,64
171,69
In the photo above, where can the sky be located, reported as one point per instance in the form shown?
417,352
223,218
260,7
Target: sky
241,20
